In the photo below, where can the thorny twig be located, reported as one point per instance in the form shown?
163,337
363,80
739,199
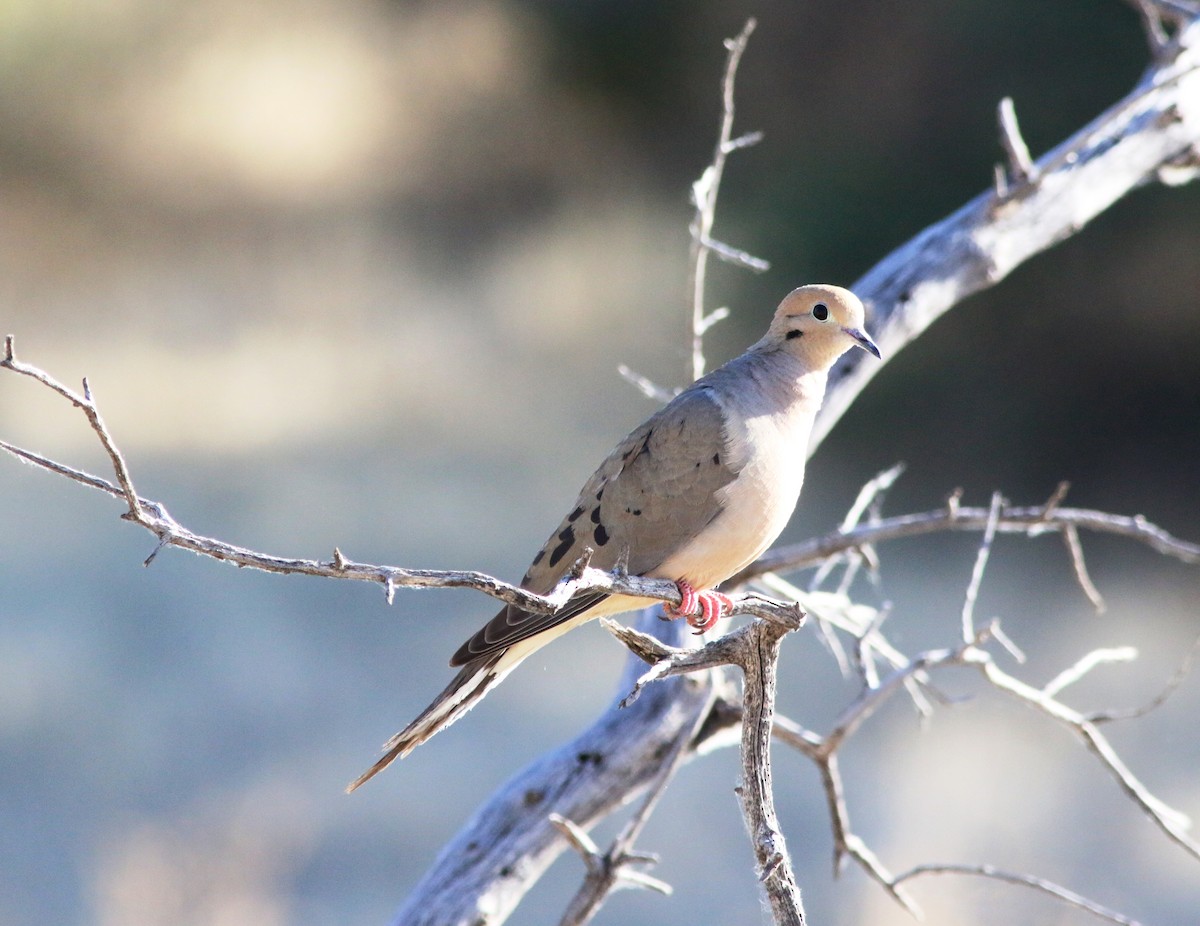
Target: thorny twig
704,196
1021,170
754,648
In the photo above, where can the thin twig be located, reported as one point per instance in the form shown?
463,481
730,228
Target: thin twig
88,406
1097,657
1070,535
1173,823
1039,884
1021,520
1021,169
704,197
755,649
646,386
1173,683
981,560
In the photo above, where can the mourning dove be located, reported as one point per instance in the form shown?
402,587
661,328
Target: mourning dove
693,495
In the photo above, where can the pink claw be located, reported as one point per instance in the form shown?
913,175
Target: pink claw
701,608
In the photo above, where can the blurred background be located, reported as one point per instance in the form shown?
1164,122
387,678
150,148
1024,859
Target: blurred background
361,273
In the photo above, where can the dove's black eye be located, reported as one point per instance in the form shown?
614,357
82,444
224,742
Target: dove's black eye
820,311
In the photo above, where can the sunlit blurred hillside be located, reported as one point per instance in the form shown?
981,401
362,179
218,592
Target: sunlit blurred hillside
361,273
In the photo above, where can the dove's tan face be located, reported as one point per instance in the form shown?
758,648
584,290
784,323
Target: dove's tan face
821,323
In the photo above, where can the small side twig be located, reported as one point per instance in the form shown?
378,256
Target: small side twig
981,560
1070,535
1097,657
1161,19
647,386
85,403
1021,171
606,871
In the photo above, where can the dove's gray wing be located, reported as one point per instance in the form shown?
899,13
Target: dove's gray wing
651,496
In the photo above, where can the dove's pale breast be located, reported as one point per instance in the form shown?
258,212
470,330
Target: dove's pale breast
768,420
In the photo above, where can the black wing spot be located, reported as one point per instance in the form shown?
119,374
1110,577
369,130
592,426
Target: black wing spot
574,514
633,511
794,333
537,559
600,494
567,534
595,516
716,459
601,535
561,550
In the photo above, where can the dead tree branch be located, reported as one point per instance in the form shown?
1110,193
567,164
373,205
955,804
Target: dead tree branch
1155,128
754,648
1031,522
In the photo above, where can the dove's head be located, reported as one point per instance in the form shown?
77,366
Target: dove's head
818,324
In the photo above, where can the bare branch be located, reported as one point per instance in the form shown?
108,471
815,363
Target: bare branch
1096,657
154,517
759,667
88,407
1021,169
755,649
605,873
1154,126
1024,520
981,560
1185,666
1070,535
1039,884
704,196
1173,823
647,387
735,256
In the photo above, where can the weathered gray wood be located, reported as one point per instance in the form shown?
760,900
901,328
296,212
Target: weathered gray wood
1152,134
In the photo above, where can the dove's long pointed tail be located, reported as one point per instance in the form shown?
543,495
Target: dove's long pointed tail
473,681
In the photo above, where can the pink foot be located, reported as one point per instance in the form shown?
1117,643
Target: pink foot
701,608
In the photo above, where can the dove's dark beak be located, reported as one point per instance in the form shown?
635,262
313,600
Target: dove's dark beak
861,339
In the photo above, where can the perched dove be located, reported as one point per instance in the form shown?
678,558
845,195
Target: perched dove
695,493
